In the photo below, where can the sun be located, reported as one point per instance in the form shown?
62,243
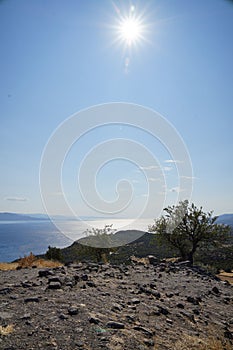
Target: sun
130,30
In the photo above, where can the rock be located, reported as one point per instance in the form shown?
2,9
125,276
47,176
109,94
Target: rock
26,317
192,300
169,321
84,277
130,318
116,307
26,284
180,306
54,285
162,310
135,301
196,311
94,320
5,291
32,300
215,290
152,260
63,316
146,331
228,334
170,295
73,310
90,284
45,273
115,325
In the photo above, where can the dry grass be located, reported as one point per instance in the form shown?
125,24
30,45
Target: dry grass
143,261
29,261
195,343
8,266
226,276
6,330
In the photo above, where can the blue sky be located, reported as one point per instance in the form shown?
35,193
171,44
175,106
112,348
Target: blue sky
59,57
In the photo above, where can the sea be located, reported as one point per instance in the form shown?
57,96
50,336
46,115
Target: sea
19,238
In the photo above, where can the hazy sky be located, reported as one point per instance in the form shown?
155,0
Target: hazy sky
59,57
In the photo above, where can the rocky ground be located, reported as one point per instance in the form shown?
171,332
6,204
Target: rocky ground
94,306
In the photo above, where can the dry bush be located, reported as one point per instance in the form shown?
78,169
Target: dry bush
6,330
27,261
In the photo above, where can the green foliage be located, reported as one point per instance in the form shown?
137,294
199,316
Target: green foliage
188,229
54,253
98,243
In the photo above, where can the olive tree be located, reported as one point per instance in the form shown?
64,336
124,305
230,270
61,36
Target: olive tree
99,243
188,228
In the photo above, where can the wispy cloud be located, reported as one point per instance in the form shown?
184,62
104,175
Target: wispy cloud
167,168
173,161
189,177
154,179
149,167
16,199
176,189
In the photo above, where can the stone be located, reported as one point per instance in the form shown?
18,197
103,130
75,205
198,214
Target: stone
169,321
84,277
215,290
32,300
73,310
115,325
135,301
94,320
90,284
5,291
152,259
45,273
192,300
146,331
63,316
116,307
26,316
163,310
54,285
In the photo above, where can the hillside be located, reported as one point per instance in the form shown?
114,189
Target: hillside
108,307
226,219
148,244
18,217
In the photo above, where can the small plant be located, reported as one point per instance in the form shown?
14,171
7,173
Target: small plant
54,253
27,261
99,244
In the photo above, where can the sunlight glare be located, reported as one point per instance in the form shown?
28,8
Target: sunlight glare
130,30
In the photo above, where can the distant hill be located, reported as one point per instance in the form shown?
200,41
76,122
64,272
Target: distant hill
18,217
226,219
141,244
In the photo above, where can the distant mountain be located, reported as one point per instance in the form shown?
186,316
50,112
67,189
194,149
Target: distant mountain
226,219
18,217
